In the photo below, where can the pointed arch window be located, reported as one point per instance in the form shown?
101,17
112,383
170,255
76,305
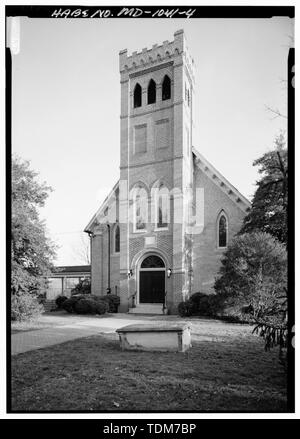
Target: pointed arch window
162,220
162,207
117,239
166,88
140,209
152,92
222,231
137,96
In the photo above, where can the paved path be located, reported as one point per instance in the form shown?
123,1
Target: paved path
59,327
65,328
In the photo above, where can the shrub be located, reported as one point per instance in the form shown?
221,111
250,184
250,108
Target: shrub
68,305
60,300
196,298
211,305
217,304
102,307
185,308
83,287
85,306
25,307
200,304
90,306
113,302
253,274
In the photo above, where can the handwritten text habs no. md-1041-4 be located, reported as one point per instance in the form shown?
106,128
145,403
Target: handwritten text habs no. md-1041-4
123,12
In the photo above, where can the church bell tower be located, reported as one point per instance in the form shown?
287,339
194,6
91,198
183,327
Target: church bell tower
156,121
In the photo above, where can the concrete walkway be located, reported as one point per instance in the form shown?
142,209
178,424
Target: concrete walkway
63,328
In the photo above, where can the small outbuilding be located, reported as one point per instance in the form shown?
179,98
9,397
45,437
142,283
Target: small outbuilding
63,279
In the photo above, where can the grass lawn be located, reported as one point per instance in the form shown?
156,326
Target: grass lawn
226,370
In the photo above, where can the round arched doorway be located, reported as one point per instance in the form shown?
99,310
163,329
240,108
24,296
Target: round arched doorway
152,280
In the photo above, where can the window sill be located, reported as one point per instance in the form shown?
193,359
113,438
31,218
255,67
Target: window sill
161,229
139,231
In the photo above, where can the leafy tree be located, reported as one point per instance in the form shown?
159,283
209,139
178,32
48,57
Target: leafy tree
32,252
269,205
253,276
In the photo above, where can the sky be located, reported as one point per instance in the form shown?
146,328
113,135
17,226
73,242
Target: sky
66,104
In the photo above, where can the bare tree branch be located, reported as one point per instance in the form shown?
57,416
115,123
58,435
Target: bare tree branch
276,112
82,249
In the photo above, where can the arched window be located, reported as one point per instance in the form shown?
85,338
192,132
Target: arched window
166,88
222,231
140,209
151,92
137,96
163,211
117,239
153,262
161,197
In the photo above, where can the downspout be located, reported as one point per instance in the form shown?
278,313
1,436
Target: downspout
108,291
90,235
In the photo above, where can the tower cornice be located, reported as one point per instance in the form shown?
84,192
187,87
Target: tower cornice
169,51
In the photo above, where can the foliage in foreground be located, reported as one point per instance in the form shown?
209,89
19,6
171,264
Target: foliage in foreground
269,213
32,252
253,276
270,202
25,307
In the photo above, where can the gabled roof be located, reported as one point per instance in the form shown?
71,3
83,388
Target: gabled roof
215,176
208,169
102,208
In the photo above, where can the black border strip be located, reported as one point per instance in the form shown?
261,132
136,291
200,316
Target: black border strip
150,11
83,427
8,159
291,231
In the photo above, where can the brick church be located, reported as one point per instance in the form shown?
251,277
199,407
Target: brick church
159,235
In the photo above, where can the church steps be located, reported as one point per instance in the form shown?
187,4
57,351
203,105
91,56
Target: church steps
148,308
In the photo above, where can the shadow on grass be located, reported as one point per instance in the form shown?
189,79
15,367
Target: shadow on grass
92,374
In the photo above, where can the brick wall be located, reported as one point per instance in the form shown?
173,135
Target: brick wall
206,254
96,263
99,264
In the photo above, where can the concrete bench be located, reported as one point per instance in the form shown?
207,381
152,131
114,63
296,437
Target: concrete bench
155,337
